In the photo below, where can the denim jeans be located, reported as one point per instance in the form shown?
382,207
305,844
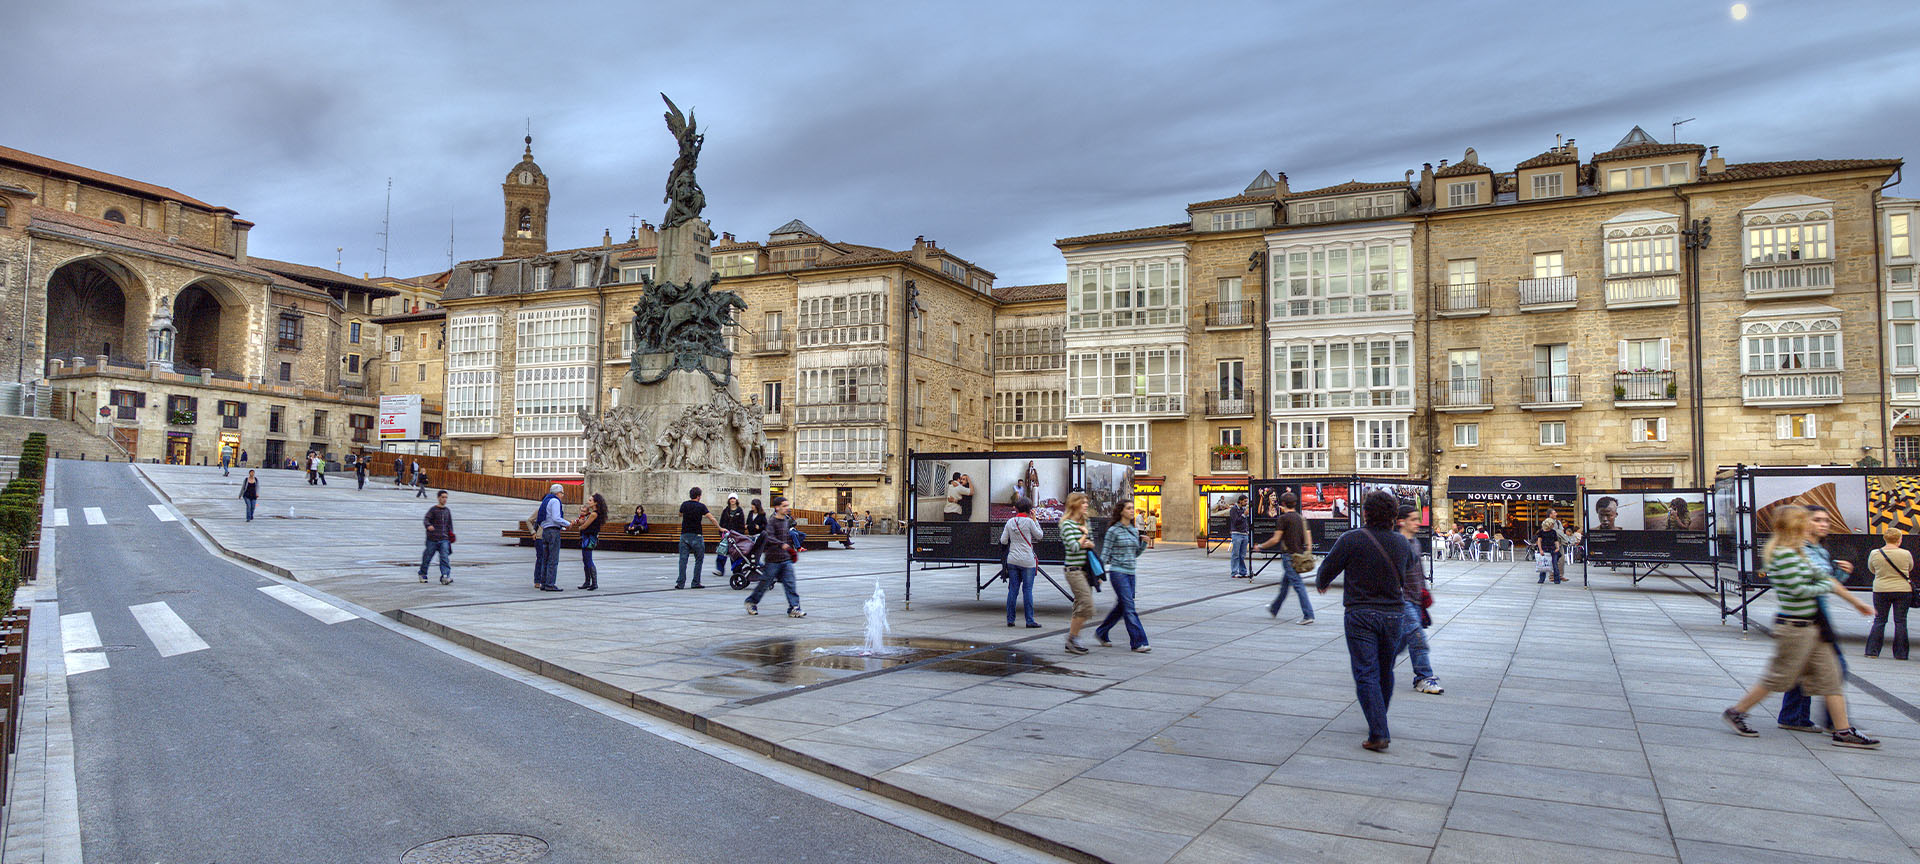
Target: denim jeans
1373,641
1417,651
591,574
1123,611
445,550
1237,564
1889,604
250,503
1290,578
547,561
781,572
696,546
1020,581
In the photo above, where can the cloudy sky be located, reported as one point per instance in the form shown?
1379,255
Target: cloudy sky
991,127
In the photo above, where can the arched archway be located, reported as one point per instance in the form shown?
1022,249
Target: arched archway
95,306
211,321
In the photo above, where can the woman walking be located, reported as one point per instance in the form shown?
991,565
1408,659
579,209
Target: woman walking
1019,535
756,518
593,516
1118,551
250,493
1073,537
732,518
1800,633
1892,593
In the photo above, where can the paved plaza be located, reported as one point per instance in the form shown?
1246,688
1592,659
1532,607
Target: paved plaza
1578,724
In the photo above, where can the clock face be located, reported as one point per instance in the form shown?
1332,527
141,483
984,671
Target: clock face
526,178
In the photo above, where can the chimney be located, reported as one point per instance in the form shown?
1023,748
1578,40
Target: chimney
1558,142
240,242
1572,149
1280,189
1426,183
606,237
1715,164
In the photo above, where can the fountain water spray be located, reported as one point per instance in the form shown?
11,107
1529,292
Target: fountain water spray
876,620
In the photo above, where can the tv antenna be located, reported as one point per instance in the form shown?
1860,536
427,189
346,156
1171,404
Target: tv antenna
336,258
633,226
386,228
449,236
1676,128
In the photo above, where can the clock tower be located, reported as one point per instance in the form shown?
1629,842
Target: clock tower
525,191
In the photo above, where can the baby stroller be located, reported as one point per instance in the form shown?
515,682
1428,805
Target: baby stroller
746,569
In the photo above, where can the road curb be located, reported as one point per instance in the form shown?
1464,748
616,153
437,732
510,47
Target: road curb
230,552
717,728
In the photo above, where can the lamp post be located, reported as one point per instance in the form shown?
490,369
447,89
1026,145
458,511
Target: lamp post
908,311
1699,233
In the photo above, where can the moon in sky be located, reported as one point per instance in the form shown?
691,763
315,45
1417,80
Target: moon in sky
1739,11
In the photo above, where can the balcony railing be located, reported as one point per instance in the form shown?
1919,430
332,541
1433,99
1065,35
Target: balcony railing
1054,362
1098,405
1231,403
772,342
842,412
1233,313
1030,430
1463,394
362,436
1549,291
1543,390
1790,388
1463,298
229,421
775,419
775,463
1297,461
953,423
1111,318
1789,278
1644,387
1643,291
1230,462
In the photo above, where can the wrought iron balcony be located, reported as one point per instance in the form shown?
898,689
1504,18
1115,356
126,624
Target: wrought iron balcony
1231,463
1227,314
1232,403
1643,291
1791,388
773,342
775,419
1793,278
1643,387
1461,299
1550,391
1551,292
1463,394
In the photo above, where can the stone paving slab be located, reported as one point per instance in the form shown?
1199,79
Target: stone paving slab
1579,723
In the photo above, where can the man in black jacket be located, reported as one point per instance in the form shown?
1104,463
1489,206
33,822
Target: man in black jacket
1377,563
439,524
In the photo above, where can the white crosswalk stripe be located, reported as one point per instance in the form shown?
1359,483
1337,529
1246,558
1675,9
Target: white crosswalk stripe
76,633
95,517
169,634
324,612
59,517
160,512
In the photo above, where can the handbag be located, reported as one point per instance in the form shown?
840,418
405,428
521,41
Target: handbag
1303,562
1096,571
451,538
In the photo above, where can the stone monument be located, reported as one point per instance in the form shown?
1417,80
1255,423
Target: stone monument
684,424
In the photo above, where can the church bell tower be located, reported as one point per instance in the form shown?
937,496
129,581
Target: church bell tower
525,191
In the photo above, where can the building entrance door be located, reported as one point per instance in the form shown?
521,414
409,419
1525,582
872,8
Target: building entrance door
842,499
179,448
1638,483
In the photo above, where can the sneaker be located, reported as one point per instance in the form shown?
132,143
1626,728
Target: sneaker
1792,727
753,608
446,580
1850,737
1144,649
1105,642
1305,621
423,577
1429,685
1075,647
796,612
1738,720
1377,745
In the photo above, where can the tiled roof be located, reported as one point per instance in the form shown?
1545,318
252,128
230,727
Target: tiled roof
321,276
1246,198
1170,230
735,246
55,166
1349,187
865,256
1564,157
1023,293
1461,169
1635,151
1759,170
86,228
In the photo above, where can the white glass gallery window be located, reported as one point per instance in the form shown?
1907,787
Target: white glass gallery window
1300,445
1140,293
1126,380
1642,251
550,398
845,319
1125,437
544,336
1903,339
1792,346
473,342
1380,444
1029,414
843,384
1342,279
1233,220
473,400
1787,239
549,455
856,447
1364,373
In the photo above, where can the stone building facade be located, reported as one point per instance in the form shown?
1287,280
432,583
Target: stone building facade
112,282
412,362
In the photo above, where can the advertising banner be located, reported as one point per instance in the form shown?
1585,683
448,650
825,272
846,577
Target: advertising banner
1654,526
1324,508
399,417
962,501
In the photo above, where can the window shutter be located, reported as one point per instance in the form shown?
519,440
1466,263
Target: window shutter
1639,432
1623,355
243,409
1666,359
1783,425
193,403
140,399
1813,425
1663,429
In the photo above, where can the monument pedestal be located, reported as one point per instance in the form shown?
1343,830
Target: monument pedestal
686,433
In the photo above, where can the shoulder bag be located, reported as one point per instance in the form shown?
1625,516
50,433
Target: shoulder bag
1303,562
1399,575
1911,587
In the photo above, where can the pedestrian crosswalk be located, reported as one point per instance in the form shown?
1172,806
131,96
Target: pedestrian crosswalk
98,516
163,627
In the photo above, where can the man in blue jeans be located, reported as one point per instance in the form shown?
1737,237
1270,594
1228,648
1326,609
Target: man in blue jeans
439,525
1376,561
546,560
1239,529
693,544
1418,655
1796,708
779,561
1292,537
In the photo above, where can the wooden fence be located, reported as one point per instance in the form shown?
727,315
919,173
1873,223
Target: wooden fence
439,476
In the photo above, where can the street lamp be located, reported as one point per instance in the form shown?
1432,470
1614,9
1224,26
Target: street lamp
908,311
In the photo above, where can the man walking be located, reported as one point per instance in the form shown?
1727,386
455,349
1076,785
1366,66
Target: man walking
1548,544
311,481
1239,526
226,461
692,542
551,517
1418,655
320,468
399,469
1292,537
1376,561
360,472
779,560
439,523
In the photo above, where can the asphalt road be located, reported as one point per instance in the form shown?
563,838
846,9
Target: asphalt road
291,740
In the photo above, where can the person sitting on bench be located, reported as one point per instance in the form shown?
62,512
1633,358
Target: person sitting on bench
834,530
639,523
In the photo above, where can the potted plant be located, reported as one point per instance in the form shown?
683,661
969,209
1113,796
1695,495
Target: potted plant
181,418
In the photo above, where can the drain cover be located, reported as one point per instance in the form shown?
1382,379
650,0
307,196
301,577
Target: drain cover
478,849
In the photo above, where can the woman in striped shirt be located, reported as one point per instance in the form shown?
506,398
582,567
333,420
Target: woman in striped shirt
1073,537
1801,654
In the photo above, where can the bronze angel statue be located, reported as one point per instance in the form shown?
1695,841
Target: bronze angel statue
684,198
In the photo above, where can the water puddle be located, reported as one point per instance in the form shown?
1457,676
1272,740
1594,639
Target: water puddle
795,662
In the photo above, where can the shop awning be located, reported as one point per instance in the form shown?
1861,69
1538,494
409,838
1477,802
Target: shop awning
1554,487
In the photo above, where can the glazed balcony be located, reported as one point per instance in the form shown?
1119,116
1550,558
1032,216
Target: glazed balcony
1791,279
1791,388
1639,291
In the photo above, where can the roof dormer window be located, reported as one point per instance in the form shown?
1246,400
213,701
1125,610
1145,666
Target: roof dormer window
113,214
1463,194
1233,220
482,280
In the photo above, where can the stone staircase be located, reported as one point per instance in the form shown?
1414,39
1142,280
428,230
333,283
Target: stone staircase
65,439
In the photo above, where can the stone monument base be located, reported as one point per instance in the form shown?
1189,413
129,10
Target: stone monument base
662,491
